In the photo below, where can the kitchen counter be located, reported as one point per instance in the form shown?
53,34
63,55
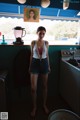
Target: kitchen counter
51,43
70,85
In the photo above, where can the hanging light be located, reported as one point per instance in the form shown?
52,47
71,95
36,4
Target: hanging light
21,1
65,4
45,3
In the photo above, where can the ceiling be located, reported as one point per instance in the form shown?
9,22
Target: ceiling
54,10
74,4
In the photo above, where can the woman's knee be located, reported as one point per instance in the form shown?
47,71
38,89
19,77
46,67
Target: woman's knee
33,89
44,86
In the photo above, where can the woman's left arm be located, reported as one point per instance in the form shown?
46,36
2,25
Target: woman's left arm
47,45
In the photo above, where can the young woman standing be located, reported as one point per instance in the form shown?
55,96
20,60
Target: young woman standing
39,64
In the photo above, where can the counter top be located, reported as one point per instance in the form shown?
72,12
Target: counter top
51,43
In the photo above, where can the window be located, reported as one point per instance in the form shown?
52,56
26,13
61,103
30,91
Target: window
58,31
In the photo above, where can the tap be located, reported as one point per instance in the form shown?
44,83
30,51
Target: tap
72,52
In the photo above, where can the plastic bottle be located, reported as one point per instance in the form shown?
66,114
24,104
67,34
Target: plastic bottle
3,40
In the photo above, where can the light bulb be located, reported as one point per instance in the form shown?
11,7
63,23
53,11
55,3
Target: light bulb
21,1
65,4
45,3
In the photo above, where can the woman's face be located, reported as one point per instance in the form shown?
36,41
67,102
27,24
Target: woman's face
41,34
31,14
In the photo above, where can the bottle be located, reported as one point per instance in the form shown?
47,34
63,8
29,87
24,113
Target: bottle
3,40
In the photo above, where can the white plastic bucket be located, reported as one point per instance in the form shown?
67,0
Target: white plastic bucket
63,114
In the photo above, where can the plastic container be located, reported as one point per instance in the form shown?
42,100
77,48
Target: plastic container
63,114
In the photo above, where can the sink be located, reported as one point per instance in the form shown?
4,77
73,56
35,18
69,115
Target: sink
78,61
74,62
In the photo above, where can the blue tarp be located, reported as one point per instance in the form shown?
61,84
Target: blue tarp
16,8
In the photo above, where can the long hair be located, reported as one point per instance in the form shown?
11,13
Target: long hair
31,10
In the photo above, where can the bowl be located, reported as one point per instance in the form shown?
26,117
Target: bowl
63,114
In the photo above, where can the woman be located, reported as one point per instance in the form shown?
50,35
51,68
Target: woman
32,16
39,64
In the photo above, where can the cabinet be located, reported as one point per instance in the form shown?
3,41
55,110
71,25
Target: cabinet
3,75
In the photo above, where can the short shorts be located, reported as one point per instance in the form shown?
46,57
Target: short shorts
39,66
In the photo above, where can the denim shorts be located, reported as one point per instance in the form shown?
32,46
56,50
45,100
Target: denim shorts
39,66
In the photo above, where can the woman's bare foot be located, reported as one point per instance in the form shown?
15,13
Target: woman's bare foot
33,113
46,109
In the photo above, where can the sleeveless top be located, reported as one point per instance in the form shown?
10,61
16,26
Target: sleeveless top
36,52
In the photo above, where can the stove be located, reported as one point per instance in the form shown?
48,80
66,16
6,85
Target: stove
71,56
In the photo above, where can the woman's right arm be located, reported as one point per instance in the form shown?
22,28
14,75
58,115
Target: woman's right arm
32,44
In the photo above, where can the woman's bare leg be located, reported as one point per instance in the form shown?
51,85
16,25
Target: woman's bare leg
34,78
45,82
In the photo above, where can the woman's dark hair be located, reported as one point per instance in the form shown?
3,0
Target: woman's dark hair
31,10
41,28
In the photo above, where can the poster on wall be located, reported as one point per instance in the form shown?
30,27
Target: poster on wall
31,15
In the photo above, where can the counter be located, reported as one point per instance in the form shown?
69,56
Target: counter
7,57
70,85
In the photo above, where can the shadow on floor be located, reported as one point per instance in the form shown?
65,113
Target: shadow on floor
19,106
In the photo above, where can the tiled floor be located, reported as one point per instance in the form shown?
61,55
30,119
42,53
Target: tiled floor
19,107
